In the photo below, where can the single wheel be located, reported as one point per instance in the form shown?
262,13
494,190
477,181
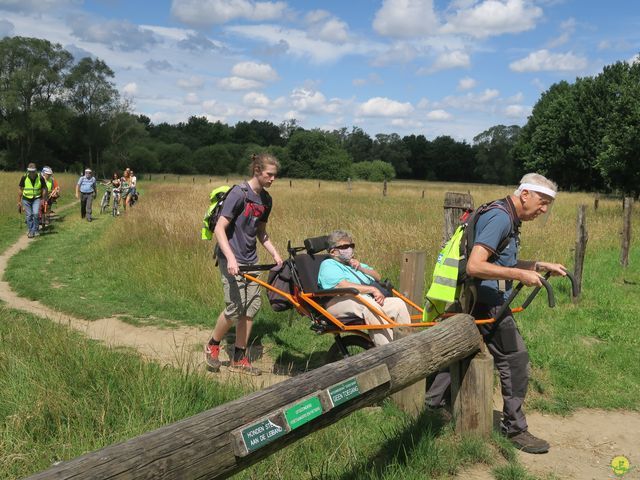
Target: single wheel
104,204
353,344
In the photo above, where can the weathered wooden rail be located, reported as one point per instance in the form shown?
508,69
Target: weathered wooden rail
224,440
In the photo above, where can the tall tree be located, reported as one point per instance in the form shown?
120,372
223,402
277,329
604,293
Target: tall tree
31,73
494,156
418,159
390,148
92,94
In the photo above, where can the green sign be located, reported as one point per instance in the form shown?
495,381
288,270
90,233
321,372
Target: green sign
344,391
303,412
260,434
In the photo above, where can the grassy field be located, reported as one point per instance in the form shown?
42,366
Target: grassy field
151,266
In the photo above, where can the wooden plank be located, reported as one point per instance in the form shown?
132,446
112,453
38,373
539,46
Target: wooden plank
412,272
202,447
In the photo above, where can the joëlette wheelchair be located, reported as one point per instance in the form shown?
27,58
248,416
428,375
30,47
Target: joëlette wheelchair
350,333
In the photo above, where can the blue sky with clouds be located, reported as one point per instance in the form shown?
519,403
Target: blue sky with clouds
428,67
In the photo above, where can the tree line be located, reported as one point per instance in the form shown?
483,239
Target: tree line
68,114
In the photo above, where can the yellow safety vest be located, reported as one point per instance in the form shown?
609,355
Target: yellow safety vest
31,190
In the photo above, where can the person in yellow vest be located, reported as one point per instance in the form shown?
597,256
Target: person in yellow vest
33,189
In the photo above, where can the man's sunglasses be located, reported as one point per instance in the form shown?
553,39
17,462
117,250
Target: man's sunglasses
344,247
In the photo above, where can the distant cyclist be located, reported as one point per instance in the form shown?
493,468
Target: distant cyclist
116,189
133,192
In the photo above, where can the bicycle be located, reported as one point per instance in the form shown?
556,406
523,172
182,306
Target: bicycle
115,211
106,198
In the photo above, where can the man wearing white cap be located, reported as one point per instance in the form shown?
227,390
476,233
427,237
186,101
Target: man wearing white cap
494,266
86,192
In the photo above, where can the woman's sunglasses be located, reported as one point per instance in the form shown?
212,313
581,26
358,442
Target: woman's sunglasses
344,247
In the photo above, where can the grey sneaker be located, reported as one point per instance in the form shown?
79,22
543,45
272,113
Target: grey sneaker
244,366
528,443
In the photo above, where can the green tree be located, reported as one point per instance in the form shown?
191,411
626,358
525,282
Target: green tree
494,156
391,149
174,158
358,144
316,154
376,171
31,74
619,158
93,96
419,148
213,160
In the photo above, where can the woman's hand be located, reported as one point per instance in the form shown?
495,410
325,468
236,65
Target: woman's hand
355,264
277,259
377,296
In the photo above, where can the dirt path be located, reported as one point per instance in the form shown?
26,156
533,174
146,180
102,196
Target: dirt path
180,347
582,445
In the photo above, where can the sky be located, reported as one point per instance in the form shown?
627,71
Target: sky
424,67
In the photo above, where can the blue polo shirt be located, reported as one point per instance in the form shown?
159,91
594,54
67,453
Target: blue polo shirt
492,228
333,272
87,185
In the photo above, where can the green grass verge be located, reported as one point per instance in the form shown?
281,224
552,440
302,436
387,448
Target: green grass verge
62,395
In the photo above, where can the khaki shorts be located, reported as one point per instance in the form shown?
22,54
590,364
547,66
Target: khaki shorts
241,296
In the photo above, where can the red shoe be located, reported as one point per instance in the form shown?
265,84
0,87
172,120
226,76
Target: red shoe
211,354
244,366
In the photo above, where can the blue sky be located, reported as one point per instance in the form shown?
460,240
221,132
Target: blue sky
406,66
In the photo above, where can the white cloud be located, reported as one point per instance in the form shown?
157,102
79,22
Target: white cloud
6,28
130,89
384,107
469,101
191,99
399,52
466,83
262,72
423,103
191,83
517,111
544,60
300,44
35,5
237,83
258,113
493,17
308,100
117,34
324,26
448,60
256,99
372,78
406,18
213,12
439,115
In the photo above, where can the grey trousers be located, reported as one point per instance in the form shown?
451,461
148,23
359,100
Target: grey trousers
512,362
86,200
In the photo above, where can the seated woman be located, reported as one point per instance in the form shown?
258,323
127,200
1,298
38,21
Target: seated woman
342,270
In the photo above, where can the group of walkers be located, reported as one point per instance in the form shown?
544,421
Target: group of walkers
124,186
37,194
242,223
39,191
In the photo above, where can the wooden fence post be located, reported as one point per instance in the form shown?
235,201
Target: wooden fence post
411,399
596,201
471,378
582,236
349,184
626,231
384,188
422,193
290,184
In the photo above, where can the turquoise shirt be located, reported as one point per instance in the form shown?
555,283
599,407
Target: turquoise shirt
333,272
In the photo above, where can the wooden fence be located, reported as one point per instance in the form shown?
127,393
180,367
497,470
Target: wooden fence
220,442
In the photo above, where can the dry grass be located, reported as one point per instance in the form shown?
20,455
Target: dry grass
161,234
